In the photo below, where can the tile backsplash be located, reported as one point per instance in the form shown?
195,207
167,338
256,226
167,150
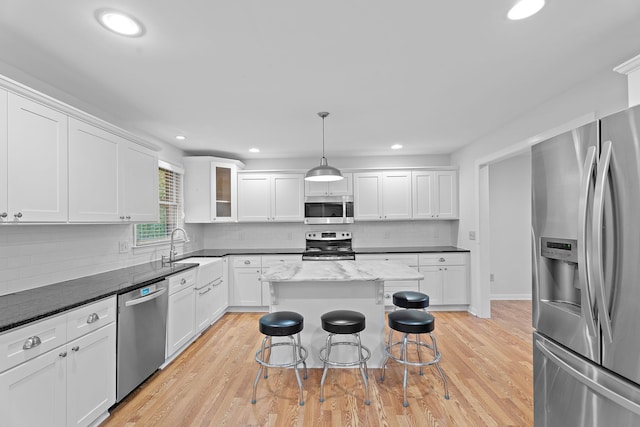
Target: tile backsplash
32,256
37,255
365,234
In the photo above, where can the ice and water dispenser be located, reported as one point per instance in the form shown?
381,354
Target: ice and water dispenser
559,278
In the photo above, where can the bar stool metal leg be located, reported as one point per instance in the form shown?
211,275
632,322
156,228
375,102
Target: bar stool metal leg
326,366
295,367
437,355
405,403
364,371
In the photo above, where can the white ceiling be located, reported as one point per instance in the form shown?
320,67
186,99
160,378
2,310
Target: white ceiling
231,75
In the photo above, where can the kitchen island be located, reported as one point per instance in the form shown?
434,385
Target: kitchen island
313,288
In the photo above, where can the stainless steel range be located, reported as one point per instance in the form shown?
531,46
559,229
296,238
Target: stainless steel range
328,246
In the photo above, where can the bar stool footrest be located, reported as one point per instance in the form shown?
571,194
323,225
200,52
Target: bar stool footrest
364,359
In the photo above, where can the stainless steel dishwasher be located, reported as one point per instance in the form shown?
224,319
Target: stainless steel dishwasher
142,326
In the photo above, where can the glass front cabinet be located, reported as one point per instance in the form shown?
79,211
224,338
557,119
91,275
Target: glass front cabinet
210,189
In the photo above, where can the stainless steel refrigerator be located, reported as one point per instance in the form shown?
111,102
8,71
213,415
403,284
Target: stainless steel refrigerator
586,274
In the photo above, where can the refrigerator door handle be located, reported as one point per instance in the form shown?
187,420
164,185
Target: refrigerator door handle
588,382
583,273
598,219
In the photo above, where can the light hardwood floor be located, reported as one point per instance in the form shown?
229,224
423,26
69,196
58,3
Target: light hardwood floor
488,363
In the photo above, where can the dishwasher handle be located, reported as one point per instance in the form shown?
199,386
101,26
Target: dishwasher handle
145,298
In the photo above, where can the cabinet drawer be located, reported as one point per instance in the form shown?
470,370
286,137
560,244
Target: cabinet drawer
443,258
90,317
249,261
405,259
271,260
182,280
34,339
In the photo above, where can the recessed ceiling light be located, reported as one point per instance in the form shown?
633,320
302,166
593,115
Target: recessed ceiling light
119,22
254,150
396,146
181,137
524,9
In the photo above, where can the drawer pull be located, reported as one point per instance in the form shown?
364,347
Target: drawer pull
31,342
442,260
93,317
183,281
75,348
63,354
247,262
205,292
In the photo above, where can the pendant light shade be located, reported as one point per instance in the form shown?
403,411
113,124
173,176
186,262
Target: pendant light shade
324,172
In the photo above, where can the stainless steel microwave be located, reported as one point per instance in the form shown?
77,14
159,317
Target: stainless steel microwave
328,210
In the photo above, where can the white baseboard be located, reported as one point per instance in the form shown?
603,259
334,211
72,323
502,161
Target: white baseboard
519,297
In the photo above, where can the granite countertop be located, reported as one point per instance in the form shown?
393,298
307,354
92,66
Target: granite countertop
340,271
34,304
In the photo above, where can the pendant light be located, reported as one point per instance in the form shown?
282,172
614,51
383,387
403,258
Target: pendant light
324,172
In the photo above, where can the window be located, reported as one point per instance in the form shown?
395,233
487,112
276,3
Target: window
170,200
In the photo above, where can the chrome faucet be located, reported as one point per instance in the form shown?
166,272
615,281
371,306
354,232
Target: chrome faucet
172,250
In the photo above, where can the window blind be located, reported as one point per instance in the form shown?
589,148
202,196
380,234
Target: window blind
170,203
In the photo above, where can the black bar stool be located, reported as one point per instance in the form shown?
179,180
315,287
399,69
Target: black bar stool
281,324
344,322
407,322
410,299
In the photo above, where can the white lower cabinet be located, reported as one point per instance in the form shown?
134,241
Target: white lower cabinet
181,315
73,384
91,375
246,288
446,278
40,383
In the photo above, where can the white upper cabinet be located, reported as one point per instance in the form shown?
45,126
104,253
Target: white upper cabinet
94,165
210,189
139,184
271,197
4,161
35,162
382,195
111,179
344,187
435,194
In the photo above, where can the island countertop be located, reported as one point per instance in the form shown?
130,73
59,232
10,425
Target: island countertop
340,271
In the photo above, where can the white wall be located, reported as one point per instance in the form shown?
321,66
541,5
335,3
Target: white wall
602,95
510,225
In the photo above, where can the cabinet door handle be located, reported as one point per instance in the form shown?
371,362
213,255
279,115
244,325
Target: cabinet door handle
18,215
75,348
3,215
209,289
128,217
63,354
122,217
31,342
93,317
442,260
